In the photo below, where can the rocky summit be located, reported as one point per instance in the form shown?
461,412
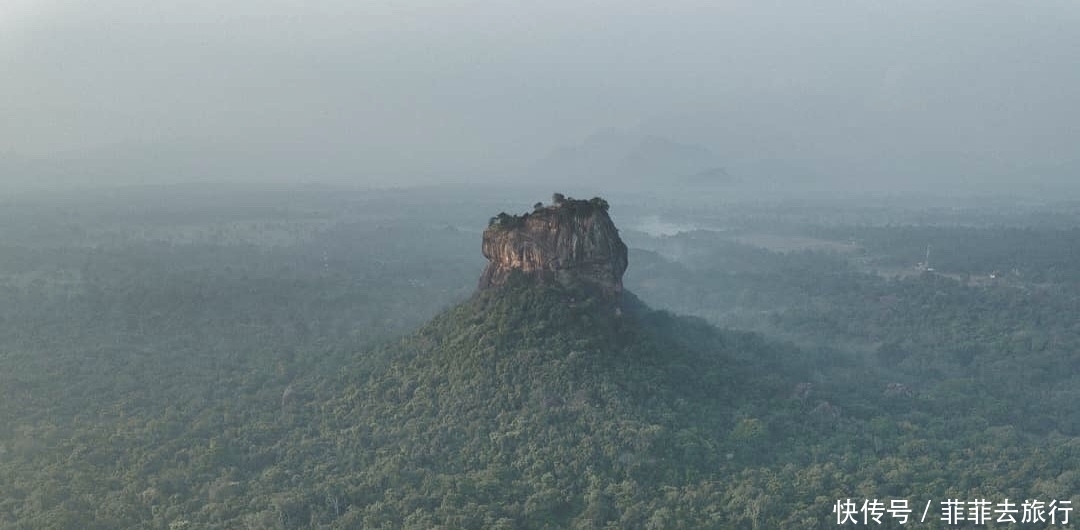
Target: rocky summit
569,242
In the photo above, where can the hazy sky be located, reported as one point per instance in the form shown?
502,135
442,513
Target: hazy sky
419,91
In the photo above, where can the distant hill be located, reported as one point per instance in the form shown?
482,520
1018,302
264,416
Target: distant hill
621,159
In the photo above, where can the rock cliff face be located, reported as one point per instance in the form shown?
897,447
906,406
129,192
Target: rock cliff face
570,242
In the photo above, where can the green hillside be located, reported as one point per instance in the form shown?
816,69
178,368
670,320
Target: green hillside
168,385
525,407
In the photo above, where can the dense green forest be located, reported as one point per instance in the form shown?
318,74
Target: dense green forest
318,359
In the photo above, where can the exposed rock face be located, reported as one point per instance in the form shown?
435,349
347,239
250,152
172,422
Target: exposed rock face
571,242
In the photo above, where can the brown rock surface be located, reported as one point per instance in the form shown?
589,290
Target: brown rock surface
571,242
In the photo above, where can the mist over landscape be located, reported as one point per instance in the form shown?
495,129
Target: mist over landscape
944,97
590,265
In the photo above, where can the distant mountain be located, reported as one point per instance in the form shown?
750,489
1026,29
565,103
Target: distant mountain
616,158
711,176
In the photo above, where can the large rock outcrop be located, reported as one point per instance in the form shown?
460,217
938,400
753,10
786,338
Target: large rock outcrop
570,242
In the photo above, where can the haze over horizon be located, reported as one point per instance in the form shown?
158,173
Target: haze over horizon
958,95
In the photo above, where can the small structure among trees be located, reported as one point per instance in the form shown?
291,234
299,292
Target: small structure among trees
560,203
